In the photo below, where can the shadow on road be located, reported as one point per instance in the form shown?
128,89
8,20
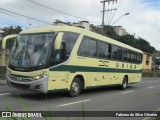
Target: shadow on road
61,95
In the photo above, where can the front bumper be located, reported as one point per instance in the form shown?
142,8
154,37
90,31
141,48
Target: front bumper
40,85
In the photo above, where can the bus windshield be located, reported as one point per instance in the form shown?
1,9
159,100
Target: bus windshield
31,50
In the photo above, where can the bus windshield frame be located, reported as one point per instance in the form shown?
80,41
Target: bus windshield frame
31,51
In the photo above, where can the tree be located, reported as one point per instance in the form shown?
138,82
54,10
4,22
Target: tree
11,30
129,40
140,43
145,46
109,32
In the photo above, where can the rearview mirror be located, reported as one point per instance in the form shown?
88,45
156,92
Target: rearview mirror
58,41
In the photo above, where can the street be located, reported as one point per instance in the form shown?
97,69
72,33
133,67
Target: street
143,96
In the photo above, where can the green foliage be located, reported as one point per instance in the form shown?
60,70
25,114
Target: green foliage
11,30
139,43
109,32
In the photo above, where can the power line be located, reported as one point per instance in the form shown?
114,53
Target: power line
19,8
60,11
103,12
15,16
109,13
115,12
25,16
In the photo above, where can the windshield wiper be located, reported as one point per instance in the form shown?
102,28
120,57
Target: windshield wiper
22,56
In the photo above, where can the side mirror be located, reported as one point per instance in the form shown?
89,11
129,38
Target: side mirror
9,37
58,41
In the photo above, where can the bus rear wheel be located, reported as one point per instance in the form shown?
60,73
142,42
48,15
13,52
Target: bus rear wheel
75,88
124,83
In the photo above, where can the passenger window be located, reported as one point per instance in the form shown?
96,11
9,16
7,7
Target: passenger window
103,49
69,39
139,58
124,54
119,53
132,56
129,56
135,57
88,47
114,52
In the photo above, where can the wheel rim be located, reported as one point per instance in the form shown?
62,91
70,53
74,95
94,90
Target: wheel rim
125,84
75,87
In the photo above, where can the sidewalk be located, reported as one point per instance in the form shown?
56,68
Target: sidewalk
3,82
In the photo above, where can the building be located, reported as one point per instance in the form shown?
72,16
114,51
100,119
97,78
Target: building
59,23
156,62
147,62
85,24
120,30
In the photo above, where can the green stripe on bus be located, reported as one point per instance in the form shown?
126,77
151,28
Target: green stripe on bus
92,69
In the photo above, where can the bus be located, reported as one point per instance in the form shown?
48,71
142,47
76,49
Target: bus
71,59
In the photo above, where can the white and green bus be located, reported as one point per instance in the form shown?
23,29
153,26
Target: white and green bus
66,58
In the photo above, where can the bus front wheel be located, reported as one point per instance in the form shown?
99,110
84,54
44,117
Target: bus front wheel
75,88
124,83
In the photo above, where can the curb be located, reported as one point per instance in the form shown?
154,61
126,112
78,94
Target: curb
148,78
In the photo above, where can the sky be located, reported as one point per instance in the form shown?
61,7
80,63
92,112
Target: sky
143,20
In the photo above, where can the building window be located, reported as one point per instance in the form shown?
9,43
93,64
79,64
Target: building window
147,62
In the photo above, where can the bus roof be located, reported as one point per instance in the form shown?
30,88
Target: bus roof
78,30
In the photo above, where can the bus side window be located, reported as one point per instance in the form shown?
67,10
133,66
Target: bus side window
132,57
63,55
88,47
135,57
114,52
125,55
69,39
103,50
129,55
119,55
109,51
139,58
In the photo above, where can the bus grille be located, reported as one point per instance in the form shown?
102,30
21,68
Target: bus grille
19,79
21,86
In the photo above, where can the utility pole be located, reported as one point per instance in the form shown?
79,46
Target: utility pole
103,12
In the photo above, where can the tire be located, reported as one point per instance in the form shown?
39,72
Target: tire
124,83
75,88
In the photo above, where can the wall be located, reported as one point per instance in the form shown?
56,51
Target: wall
147,62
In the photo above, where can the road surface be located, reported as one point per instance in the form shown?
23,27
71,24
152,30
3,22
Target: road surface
143,96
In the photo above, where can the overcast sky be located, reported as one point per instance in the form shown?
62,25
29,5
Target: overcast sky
143,20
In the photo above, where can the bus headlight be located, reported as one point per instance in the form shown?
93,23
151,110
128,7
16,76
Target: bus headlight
38,77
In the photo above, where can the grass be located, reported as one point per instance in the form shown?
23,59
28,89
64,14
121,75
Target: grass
25,105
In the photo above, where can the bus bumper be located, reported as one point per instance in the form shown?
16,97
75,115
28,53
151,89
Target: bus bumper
40,85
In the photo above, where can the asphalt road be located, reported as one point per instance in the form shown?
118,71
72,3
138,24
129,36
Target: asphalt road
143,96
